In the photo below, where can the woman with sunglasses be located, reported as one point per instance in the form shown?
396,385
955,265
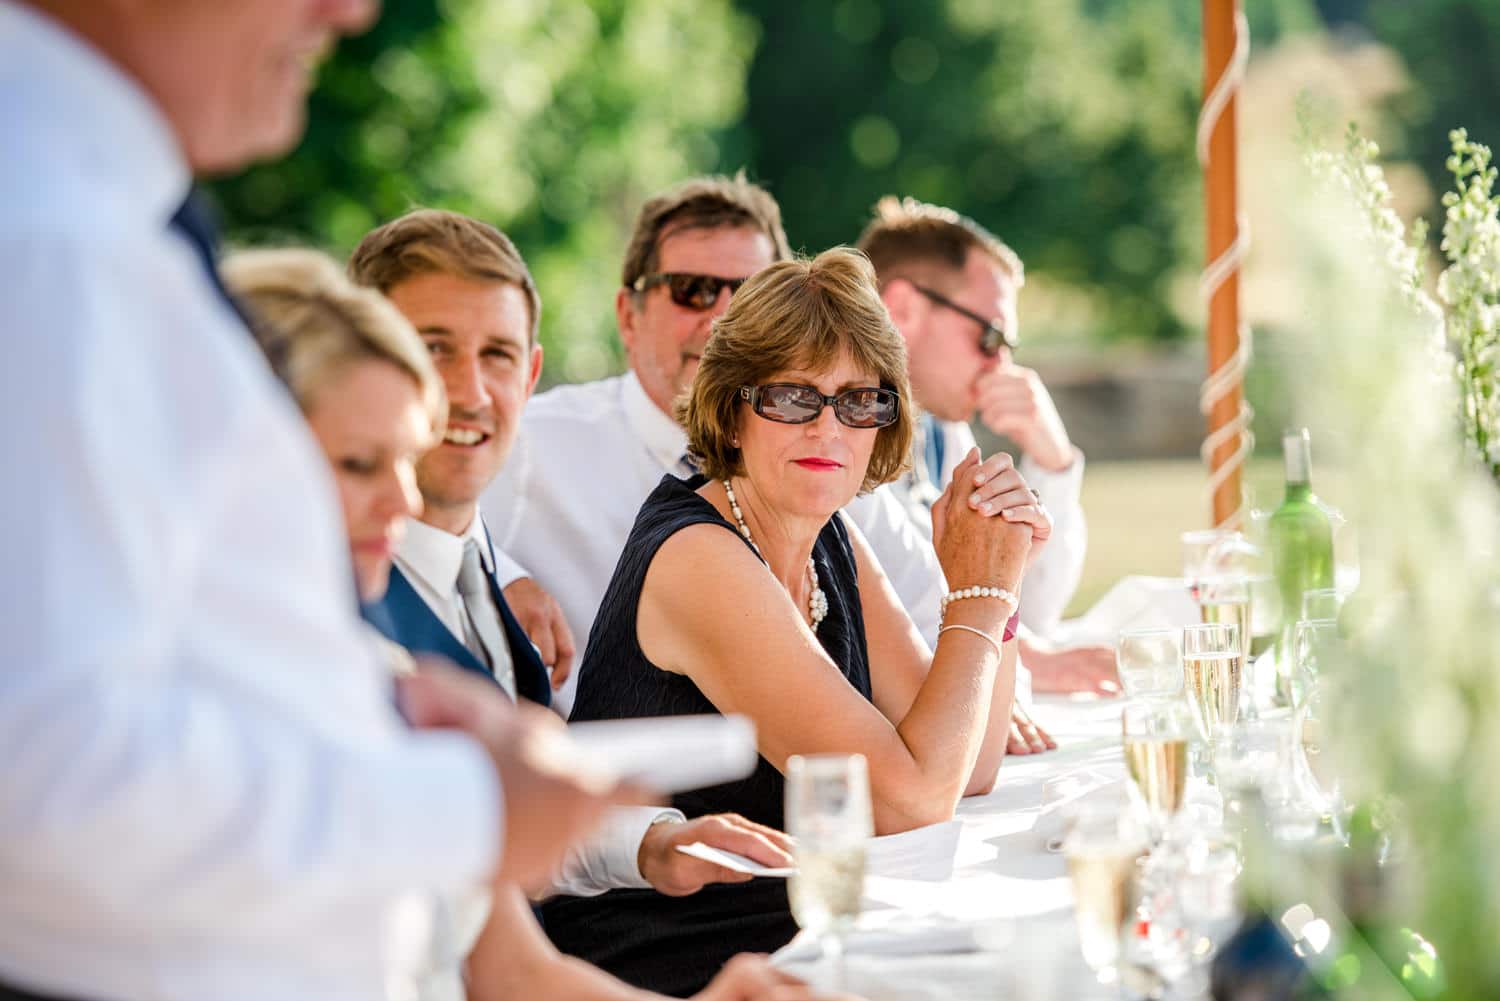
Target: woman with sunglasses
745,591
366,385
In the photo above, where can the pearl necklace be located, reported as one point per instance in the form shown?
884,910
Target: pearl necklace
817,601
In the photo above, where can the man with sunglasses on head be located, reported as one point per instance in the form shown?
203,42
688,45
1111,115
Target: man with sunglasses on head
951,288
587,455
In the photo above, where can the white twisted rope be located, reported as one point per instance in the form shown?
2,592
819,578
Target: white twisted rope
1231,374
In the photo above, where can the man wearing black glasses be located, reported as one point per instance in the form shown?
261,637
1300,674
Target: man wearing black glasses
951,288
588,455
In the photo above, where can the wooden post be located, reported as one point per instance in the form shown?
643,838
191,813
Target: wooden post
1220,186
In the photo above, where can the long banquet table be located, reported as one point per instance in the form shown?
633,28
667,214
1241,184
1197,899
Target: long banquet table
990,912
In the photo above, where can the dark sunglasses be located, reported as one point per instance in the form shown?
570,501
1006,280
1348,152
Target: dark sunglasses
791,403
690,291
992,336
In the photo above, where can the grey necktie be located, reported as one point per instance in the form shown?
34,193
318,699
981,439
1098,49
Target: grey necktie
485,637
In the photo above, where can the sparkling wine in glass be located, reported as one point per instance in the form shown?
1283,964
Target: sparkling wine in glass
1102,862
828,815
1155,735
1213,660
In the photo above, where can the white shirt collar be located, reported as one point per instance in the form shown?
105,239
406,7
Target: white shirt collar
662,436
435,555
92,113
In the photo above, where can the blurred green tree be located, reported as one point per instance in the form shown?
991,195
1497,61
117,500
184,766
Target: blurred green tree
552,119
1452,51
1066,126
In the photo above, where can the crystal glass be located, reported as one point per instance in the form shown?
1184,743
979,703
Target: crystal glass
1248,758
1155,734
1213,660
828,815
1102,852
1320,603
1216,552
1150,662
1313,642
1316,758
1207,870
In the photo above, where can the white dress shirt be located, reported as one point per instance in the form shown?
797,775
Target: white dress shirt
1053,576
429,558
585,459
206,792
609,858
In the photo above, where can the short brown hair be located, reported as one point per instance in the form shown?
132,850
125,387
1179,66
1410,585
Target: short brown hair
701,203
921,242
434,241
797,314
312,322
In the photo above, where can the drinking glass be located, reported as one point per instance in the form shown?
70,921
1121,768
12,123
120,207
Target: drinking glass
1207,871
1322,603
1102,854
828,815
1150,663
1213,660
1248,759
1156,734
1313,641
1215,552
1317,759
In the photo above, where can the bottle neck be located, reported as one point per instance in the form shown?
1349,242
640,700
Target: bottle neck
1296,451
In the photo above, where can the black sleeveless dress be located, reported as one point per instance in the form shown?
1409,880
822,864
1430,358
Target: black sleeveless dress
675,945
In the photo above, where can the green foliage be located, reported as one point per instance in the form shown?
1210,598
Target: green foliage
1452,51
552,119
1066,126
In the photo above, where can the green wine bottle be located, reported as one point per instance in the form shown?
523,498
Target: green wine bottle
1301,538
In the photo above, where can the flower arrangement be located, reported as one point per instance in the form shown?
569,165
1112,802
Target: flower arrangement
1462,345
1416,709
1469,286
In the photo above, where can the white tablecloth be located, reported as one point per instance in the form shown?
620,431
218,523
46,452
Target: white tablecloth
999,925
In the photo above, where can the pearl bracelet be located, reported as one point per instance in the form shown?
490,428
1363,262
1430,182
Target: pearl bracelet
976,592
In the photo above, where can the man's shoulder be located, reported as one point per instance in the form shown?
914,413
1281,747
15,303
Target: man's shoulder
577,403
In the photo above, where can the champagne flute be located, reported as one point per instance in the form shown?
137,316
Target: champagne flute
1213,660
1155,734
828,815
1150,663
1102,861
1227,600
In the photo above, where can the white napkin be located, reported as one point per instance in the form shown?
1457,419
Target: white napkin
1135,602
892,939
925,853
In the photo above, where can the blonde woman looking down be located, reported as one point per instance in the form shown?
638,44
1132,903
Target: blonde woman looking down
745,591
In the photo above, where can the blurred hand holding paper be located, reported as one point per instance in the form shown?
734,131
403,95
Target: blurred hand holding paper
668,754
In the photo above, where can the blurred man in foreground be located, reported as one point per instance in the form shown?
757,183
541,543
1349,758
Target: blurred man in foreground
208,793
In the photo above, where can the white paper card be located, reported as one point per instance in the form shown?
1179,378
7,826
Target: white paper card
733,861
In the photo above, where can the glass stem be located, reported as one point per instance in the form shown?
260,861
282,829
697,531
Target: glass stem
833,948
